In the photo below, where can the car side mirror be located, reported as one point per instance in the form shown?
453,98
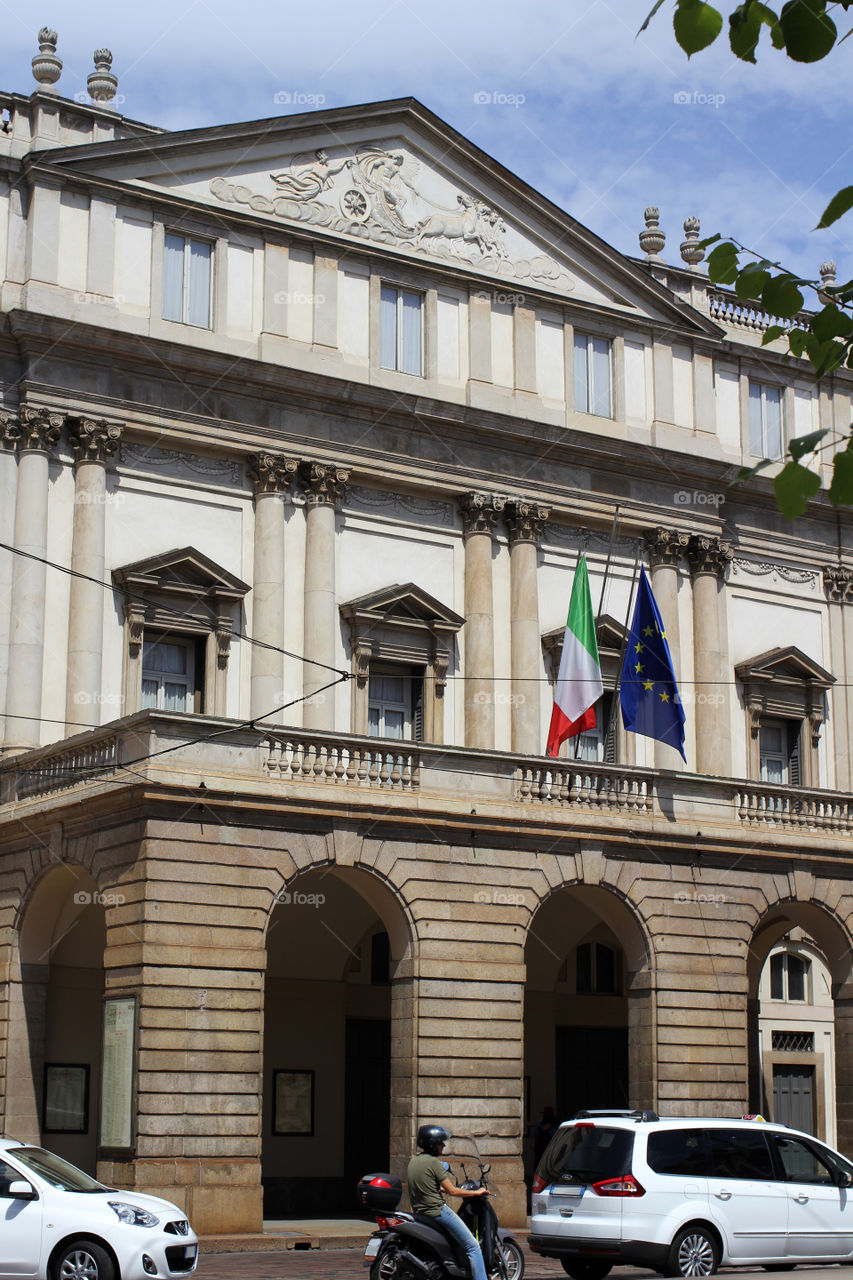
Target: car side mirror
22,1191
845,1179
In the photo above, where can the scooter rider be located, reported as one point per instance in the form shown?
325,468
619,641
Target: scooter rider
429,1182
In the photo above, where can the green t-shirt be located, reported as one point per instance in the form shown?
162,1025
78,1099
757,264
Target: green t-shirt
425,1176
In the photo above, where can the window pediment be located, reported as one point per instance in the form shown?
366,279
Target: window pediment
185,572
407,608
611,637
784,667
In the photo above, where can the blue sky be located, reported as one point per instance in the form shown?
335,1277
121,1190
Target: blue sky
565,94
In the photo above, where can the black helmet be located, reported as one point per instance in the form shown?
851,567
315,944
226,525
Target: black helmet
431,1137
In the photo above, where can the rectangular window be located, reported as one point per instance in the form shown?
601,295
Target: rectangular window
401,330
168,675
779,751
598,745
735,1153
395,705
592,375
187,280
765,420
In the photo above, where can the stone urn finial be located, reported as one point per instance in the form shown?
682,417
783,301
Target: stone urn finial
102,84
47,68
690,251
828,271
652,239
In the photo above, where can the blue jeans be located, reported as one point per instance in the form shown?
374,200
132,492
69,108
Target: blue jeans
456,1227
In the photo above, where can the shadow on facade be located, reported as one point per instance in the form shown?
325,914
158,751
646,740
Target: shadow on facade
56,993
337,1041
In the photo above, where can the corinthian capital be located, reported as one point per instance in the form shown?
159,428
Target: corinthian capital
480,512
525,521
272,473
708,555
10,431
838,584
324,483
665,546
94,439
40,429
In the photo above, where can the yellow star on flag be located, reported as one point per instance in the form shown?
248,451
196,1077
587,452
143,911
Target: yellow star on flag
648,685
638,668
664,697
638,648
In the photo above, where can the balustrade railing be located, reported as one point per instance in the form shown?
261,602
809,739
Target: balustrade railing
591,786
729,309
783,807
291,757
61,769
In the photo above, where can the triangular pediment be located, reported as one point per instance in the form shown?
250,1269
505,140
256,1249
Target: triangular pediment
784,666
399,605
610,635
394,175
184,571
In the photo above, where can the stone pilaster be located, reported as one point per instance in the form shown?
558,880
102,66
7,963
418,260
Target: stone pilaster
40,430
713,688
272,475
838,585
525,521
665,548
324,485
479,515
94,441
10,434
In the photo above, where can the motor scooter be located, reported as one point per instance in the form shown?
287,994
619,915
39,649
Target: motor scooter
409,1246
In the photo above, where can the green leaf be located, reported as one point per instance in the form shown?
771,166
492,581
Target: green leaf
781,297
746,473
802,445
839,204
703,244
771,333
696,25
745,28
750,283
830,356
840,492
831,323
722,263
809,31
794,486
797,341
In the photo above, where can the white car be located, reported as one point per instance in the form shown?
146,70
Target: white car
684,1195
57,1223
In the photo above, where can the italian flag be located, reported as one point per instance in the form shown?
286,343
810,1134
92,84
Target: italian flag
579,680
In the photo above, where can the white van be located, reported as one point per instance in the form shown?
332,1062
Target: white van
57,1223
683,1196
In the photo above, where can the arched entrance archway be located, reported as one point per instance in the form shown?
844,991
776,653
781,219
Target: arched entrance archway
588,1023
338,1048
55,1019
800,1020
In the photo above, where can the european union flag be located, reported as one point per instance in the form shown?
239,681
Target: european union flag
648,693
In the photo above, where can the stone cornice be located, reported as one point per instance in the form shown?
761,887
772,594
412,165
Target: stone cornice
709,555
94,439
272,473
480,512
525,521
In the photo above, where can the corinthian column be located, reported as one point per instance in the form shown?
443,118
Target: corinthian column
525,521
324,485
273,476
10,433
479,513
665,548
40,430
708,560
94,441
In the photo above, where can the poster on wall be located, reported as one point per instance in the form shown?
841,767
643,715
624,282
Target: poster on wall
117,1075
293,1103
66,1098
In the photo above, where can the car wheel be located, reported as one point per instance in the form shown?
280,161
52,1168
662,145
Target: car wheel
694,1252
580,1269
513,1260
83,1260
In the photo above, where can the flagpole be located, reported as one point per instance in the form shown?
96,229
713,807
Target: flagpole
614,708
607,566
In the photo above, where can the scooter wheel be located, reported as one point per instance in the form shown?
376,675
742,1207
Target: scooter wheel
385,1266
513,1261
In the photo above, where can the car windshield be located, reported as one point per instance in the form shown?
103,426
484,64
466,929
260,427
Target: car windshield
587,1153
55,1171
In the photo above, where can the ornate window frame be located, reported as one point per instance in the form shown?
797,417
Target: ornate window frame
787,684
405,626
181,593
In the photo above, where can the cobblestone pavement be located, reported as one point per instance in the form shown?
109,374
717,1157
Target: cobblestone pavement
337,1264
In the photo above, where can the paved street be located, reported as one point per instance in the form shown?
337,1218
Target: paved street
341,1263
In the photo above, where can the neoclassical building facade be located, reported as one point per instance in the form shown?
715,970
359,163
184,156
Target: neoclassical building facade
304,424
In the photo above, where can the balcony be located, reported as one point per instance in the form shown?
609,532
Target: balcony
178,752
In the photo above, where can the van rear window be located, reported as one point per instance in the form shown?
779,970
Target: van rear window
587,1154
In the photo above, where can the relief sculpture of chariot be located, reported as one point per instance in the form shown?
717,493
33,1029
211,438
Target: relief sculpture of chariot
372,193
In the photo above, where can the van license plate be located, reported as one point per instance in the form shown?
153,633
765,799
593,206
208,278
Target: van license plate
574,1192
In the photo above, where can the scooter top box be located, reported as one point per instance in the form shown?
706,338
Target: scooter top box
380,1192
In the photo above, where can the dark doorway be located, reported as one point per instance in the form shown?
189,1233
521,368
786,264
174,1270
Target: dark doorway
591,1069
367,1100
793,1097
